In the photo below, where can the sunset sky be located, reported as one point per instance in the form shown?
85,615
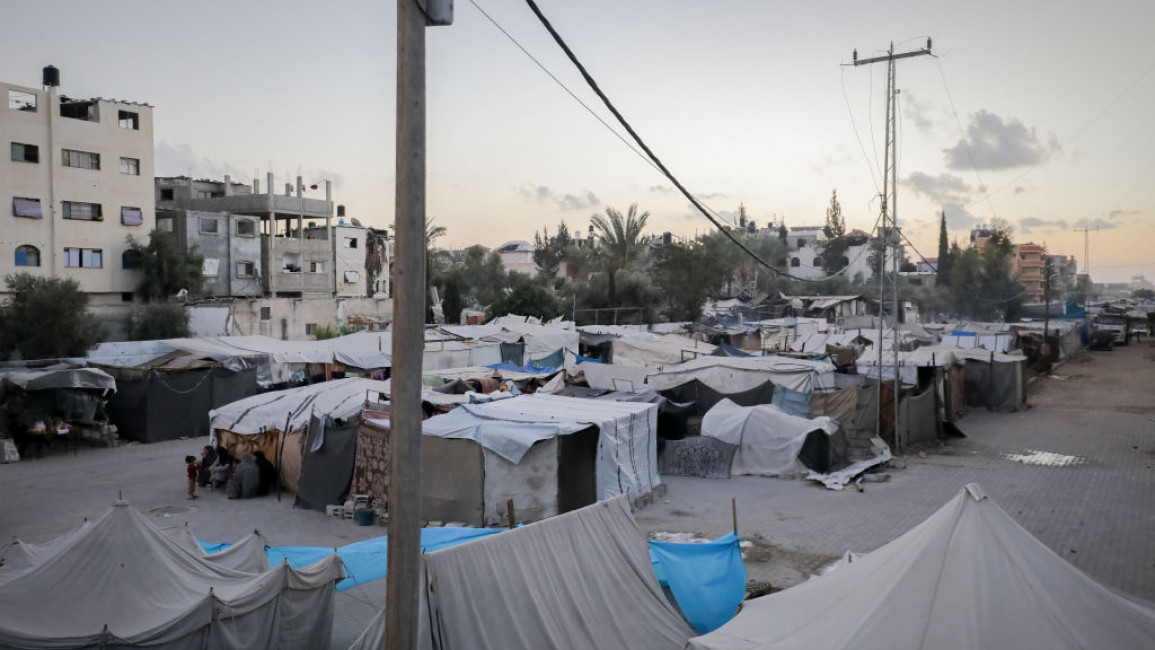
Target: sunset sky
1040,113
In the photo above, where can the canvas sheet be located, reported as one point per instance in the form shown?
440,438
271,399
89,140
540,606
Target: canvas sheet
576,581
968,577
371,459
609,376
627,434
86,378
737,374
708,580
669,350
340,398
769,439
164,596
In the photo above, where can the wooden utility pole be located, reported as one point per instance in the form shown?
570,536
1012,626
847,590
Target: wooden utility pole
889,224
404,546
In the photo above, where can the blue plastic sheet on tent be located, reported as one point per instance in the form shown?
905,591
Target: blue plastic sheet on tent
962,333
708,580
581,359
792,401
555,360
724,350
531,368
364,561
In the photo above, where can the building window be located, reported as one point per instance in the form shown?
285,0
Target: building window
206,194
126,296
28,153
350,242
27,256
352,276
128,120
316,267
164,224
130,166
30,208
801,243
266,313
794,261
247,270
131,216
130,259
83,211
210,226
291,263
211,267
88,111
310,329
84,258
19,100
81,159
166,194
246,228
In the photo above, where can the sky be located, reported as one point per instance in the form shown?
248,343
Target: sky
1037,113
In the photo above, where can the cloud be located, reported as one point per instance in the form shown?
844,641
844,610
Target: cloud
1101,224
994,143
1117,215
958,217
943,188
662,189
1019,189
180,160
1032,223
543,194
919,113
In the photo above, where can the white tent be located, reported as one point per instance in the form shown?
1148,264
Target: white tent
967,578
768,439
737,374
340,398
121,583
627,434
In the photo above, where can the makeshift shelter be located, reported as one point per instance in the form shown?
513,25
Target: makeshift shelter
736,374
770,442
32,399
129,586
968,577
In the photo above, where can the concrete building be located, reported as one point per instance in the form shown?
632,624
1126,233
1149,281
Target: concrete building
292,263
517,256
77,183
348,240
1029,270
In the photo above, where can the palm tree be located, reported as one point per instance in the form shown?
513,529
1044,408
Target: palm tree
620,240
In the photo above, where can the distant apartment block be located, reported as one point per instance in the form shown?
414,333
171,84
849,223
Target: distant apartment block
261,243
1029,263
78,181
517,256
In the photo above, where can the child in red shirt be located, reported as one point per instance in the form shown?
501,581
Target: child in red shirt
193,467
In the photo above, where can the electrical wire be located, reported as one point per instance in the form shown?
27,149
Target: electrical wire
652,156
965,142
854,125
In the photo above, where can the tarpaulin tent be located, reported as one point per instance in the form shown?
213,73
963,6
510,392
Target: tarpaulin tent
737,374
577,581
708,580
772,442
121,583
703,398
967,577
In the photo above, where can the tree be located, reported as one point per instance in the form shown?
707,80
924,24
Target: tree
945,257
834,251
620,239
550,252
161,319
166,266
526,298
46,318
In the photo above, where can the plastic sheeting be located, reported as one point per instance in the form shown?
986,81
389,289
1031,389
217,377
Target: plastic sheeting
627,434
791,401
129,585
769,440
87,378
968,577
703,398
708,580
576,581
337,399
737,374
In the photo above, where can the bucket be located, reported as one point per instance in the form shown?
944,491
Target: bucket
364,516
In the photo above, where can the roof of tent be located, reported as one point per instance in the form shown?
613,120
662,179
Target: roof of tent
340,398
162,594
768,438
43,379
627,444
967,577
736,374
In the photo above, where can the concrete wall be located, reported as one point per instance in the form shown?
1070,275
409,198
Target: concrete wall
278,253
289,318
224,250
52,183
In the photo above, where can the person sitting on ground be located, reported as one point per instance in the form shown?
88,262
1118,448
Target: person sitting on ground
267,473
246,479
208,458
219,474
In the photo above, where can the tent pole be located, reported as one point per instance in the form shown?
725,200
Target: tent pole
281,453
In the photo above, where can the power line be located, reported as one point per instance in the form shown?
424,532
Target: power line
854,125
965,142
653,157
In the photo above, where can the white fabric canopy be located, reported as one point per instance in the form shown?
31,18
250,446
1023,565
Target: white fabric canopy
967,578
340,398
122,583
627,440
737,374
768,439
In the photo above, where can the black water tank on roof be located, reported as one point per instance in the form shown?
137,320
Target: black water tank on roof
51,77
340,210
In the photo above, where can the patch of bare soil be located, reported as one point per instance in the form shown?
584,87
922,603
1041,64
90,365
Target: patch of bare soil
763,551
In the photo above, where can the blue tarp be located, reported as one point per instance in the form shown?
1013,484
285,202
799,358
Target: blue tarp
365,560
962,333
791,401
555,360
581,359
708,580
724,350
531,368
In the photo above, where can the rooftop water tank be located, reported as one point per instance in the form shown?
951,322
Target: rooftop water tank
51,77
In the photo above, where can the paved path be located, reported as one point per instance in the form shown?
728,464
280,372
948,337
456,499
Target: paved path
1097,513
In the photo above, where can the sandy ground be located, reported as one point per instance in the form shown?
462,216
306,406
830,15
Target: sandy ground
1097,409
